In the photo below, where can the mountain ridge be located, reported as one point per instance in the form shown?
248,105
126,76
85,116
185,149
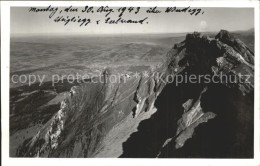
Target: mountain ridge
87,115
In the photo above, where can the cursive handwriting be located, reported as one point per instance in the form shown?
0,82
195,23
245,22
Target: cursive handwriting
83,16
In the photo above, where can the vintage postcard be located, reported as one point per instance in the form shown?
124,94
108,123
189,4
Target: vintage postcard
95,81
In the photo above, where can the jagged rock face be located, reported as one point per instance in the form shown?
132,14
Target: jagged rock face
227,38
87,114
204,55
93,111
224,55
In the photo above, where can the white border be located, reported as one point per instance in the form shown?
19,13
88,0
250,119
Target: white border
5,61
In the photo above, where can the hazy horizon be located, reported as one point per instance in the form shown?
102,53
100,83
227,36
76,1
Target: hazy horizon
115,34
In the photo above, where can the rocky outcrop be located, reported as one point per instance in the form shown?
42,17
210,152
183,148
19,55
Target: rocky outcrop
229,39
92,110
225,59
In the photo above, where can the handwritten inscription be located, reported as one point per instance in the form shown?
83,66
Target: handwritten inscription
110,15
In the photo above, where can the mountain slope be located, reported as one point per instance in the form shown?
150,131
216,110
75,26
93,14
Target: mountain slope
154,114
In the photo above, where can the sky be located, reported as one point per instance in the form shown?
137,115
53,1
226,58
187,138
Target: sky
213,19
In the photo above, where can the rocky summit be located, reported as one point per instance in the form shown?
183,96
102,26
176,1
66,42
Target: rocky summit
154,114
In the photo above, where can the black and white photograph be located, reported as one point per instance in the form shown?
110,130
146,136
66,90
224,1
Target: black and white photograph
130,81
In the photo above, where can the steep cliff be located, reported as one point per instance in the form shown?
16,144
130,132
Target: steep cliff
154,114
